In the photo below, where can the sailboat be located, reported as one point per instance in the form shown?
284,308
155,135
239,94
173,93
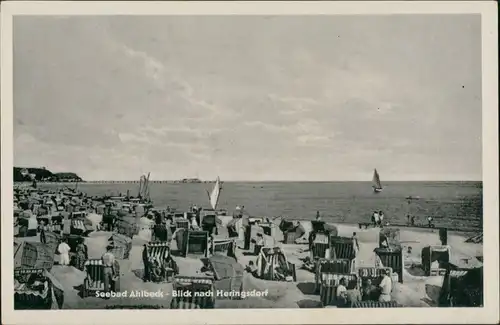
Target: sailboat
213,196
377,186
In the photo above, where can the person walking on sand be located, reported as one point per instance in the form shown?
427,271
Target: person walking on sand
385,287
63,249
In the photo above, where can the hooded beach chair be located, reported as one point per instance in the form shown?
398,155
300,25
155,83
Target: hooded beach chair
329,283
272,260
223,247
127,228
33,255
339,267
162,232
37,289
196,244
94,280
391,257
155,252
374,274
342,248
228,275
81,226
120,246
320,245
462,288
435,260
201,292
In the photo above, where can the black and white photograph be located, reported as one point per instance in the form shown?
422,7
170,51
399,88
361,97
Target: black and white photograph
250,161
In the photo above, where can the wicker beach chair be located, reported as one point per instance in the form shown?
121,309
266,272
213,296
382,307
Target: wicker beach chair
342,248
228,275
126,228
374,274
36,288
462,288
223,247
94,280
201,293
340,267
320,245
329,283
430,254
195,244
271,259
120,246
155,253
33,255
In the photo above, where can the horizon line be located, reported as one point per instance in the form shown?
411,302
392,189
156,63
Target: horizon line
271,181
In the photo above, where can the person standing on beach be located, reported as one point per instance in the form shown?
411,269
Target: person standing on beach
146,275
318,217
109,270
380,218
342,293
375,218
63,249
355,240
385,287
413,220
43,227
429,221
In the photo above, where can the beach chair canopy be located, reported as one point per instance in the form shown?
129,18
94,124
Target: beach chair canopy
224,267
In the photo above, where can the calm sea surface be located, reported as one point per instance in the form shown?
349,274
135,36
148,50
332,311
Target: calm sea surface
452,204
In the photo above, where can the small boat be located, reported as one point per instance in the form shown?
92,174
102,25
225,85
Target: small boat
377,186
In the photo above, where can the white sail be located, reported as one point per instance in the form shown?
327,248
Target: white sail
214,195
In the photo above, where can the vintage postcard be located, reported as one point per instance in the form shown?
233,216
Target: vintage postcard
249,162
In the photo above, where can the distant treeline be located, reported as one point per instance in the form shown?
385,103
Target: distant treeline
43,175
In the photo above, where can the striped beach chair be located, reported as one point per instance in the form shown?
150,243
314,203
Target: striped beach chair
373,273
155,252
94,280
393,258
320,245
340,267
271,258
328,286
199,293
342,248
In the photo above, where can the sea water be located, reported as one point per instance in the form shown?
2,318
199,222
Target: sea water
452,204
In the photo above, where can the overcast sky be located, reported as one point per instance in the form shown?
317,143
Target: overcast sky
250,98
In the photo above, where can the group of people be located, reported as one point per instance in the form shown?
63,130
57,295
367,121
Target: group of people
410,220
368,292
378,218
